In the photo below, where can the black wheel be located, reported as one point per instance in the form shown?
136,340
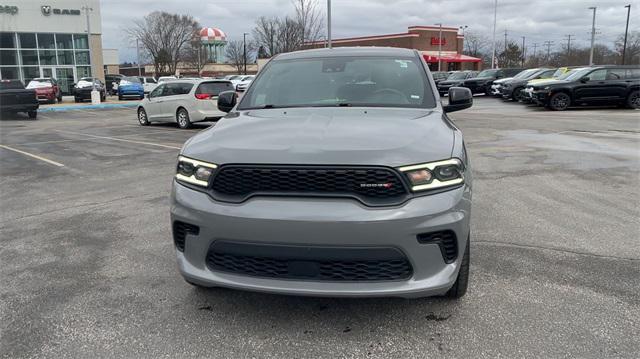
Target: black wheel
459,288
142,117
182,117
103,98
119,98
633,100
517,94
559,101
76,99
32,114
487,91
59,98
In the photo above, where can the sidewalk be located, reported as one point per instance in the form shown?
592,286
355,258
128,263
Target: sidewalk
68,104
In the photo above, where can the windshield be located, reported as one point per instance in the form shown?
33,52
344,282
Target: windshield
214,88
526,73
488,73
457,76
576,74
341,81
39,83
129,80
559,72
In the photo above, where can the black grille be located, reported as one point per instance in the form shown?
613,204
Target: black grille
346,264
447,241
372,186
180,231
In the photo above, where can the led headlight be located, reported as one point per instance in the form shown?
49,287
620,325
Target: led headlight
194,172
434,175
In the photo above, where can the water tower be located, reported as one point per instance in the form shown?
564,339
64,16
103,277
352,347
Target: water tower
214,41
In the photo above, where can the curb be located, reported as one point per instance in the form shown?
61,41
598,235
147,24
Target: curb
87,107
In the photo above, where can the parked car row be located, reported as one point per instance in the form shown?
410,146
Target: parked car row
562,88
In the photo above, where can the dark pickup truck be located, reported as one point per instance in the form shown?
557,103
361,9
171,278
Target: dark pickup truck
15,98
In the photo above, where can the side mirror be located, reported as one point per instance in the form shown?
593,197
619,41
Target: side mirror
227,101
585,79
460,98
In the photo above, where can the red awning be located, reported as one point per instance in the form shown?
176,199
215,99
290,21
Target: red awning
451,58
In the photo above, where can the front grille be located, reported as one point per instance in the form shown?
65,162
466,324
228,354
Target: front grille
180,231
447,241
328,264
371,185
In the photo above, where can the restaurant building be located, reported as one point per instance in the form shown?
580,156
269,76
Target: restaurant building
426,39
49,39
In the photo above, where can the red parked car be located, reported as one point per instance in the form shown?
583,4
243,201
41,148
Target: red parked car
47,89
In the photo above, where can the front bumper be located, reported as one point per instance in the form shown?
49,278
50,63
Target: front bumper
325,222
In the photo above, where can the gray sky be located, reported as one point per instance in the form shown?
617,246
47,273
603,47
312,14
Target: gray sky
538,20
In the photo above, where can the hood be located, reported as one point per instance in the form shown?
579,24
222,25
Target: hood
502,80
84,84
537,81
480,79
550,82
349,136
451,82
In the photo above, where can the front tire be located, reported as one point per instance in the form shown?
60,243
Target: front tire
76,99
517,94
182,117
142,117
559,101
32,114
633,100
459,288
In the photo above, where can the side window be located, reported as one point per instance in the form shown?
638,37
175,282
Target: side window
141,80
184,88
615,74
170,89
151,80
598,75
157,92
632,74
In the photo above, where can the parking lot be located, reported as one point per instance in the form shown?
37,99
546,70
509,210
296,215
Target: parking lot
88,264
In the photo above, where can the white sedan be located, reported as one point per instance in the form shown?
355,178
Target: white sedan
243,84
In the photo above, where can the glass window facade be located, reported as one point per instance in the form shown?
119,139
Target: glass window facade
24,56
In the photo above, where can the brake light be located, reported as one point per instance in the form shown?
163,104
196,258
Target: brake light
203,96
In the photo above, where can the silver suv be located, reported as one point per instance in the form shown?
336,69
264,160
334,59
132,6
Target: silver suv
337,174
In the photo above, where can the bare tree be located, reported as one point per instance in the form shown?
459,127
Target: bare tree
164,36
265,34
310,18
234,52
475,44
195,55
632,54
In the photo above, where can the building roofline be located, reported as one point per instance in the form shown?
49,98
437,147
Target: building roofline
365,38
428,27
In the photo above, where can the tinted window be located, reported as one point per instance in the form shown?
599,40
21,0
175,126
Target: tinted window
598,75
11,85
29,57
157,92
632,74
45,41
177,88
7,40
547,74
356,81
615,74
488,73
214,88
8,57
80,41
27,41
64,41
151,80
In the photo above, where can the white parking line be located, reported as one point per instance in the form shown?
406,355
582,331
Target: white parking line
33,156
120,139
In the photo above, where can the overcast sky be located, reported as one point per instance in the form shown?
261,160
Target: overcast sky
538,20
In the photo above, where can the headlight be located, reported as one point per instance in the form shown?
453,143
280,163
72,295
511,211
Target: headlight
434,175
194,172
546,88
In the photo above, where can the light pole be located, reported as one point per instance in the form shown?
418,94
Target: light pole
626,30
138,55
440,47
463,27
329,23
244,49
95,96
493,51
593,35
523,52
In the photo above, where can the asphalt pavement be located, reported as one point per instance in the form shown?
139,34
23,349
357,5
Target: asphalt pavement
88,269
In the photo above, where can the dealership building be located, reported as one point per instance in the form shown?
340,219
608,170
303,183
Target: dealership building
433,46
50,39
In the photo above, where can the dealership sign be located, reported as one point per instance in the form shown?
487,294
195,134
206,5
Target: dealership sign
8,9
438,41
48,10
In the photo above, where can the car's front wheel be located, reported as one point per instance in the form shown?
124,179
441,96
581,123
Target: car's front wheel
517,94
459,288
142,117
182,117
559,101
633,100
32,114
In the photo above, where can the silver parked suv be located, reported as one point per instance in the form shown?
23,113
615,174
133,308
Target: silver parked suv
337,174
